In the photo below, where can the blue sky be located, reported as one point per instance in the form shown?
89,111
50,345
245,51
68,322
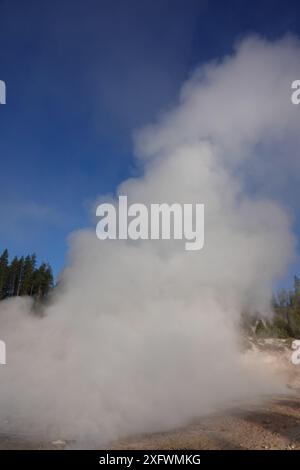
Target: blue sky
81,76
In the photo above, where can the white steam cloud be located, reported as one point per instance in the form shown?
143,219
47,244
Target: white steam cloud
144,336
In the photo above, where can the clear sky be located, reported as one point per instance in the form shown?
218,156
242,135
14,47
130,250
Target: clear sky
81,76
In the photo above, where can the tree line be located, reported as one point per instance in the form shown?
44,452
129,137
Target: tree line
21,276
286,305
285,322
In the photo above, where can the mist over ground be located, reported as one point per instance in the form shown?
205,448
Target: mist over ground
144,336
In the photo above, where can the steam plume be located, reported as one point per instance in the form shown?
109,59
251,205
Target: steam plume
144,336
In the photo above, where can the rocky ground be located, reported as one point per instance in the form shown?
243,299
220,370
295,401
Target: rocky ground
272,423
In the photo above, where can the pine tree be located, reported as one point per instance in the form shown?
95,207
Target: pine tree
12,278
296,296
20,275
43,280
28,275
297,285
285,308
3,273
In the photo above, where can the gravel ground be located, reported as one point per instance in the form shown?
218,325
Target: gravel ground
272,423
